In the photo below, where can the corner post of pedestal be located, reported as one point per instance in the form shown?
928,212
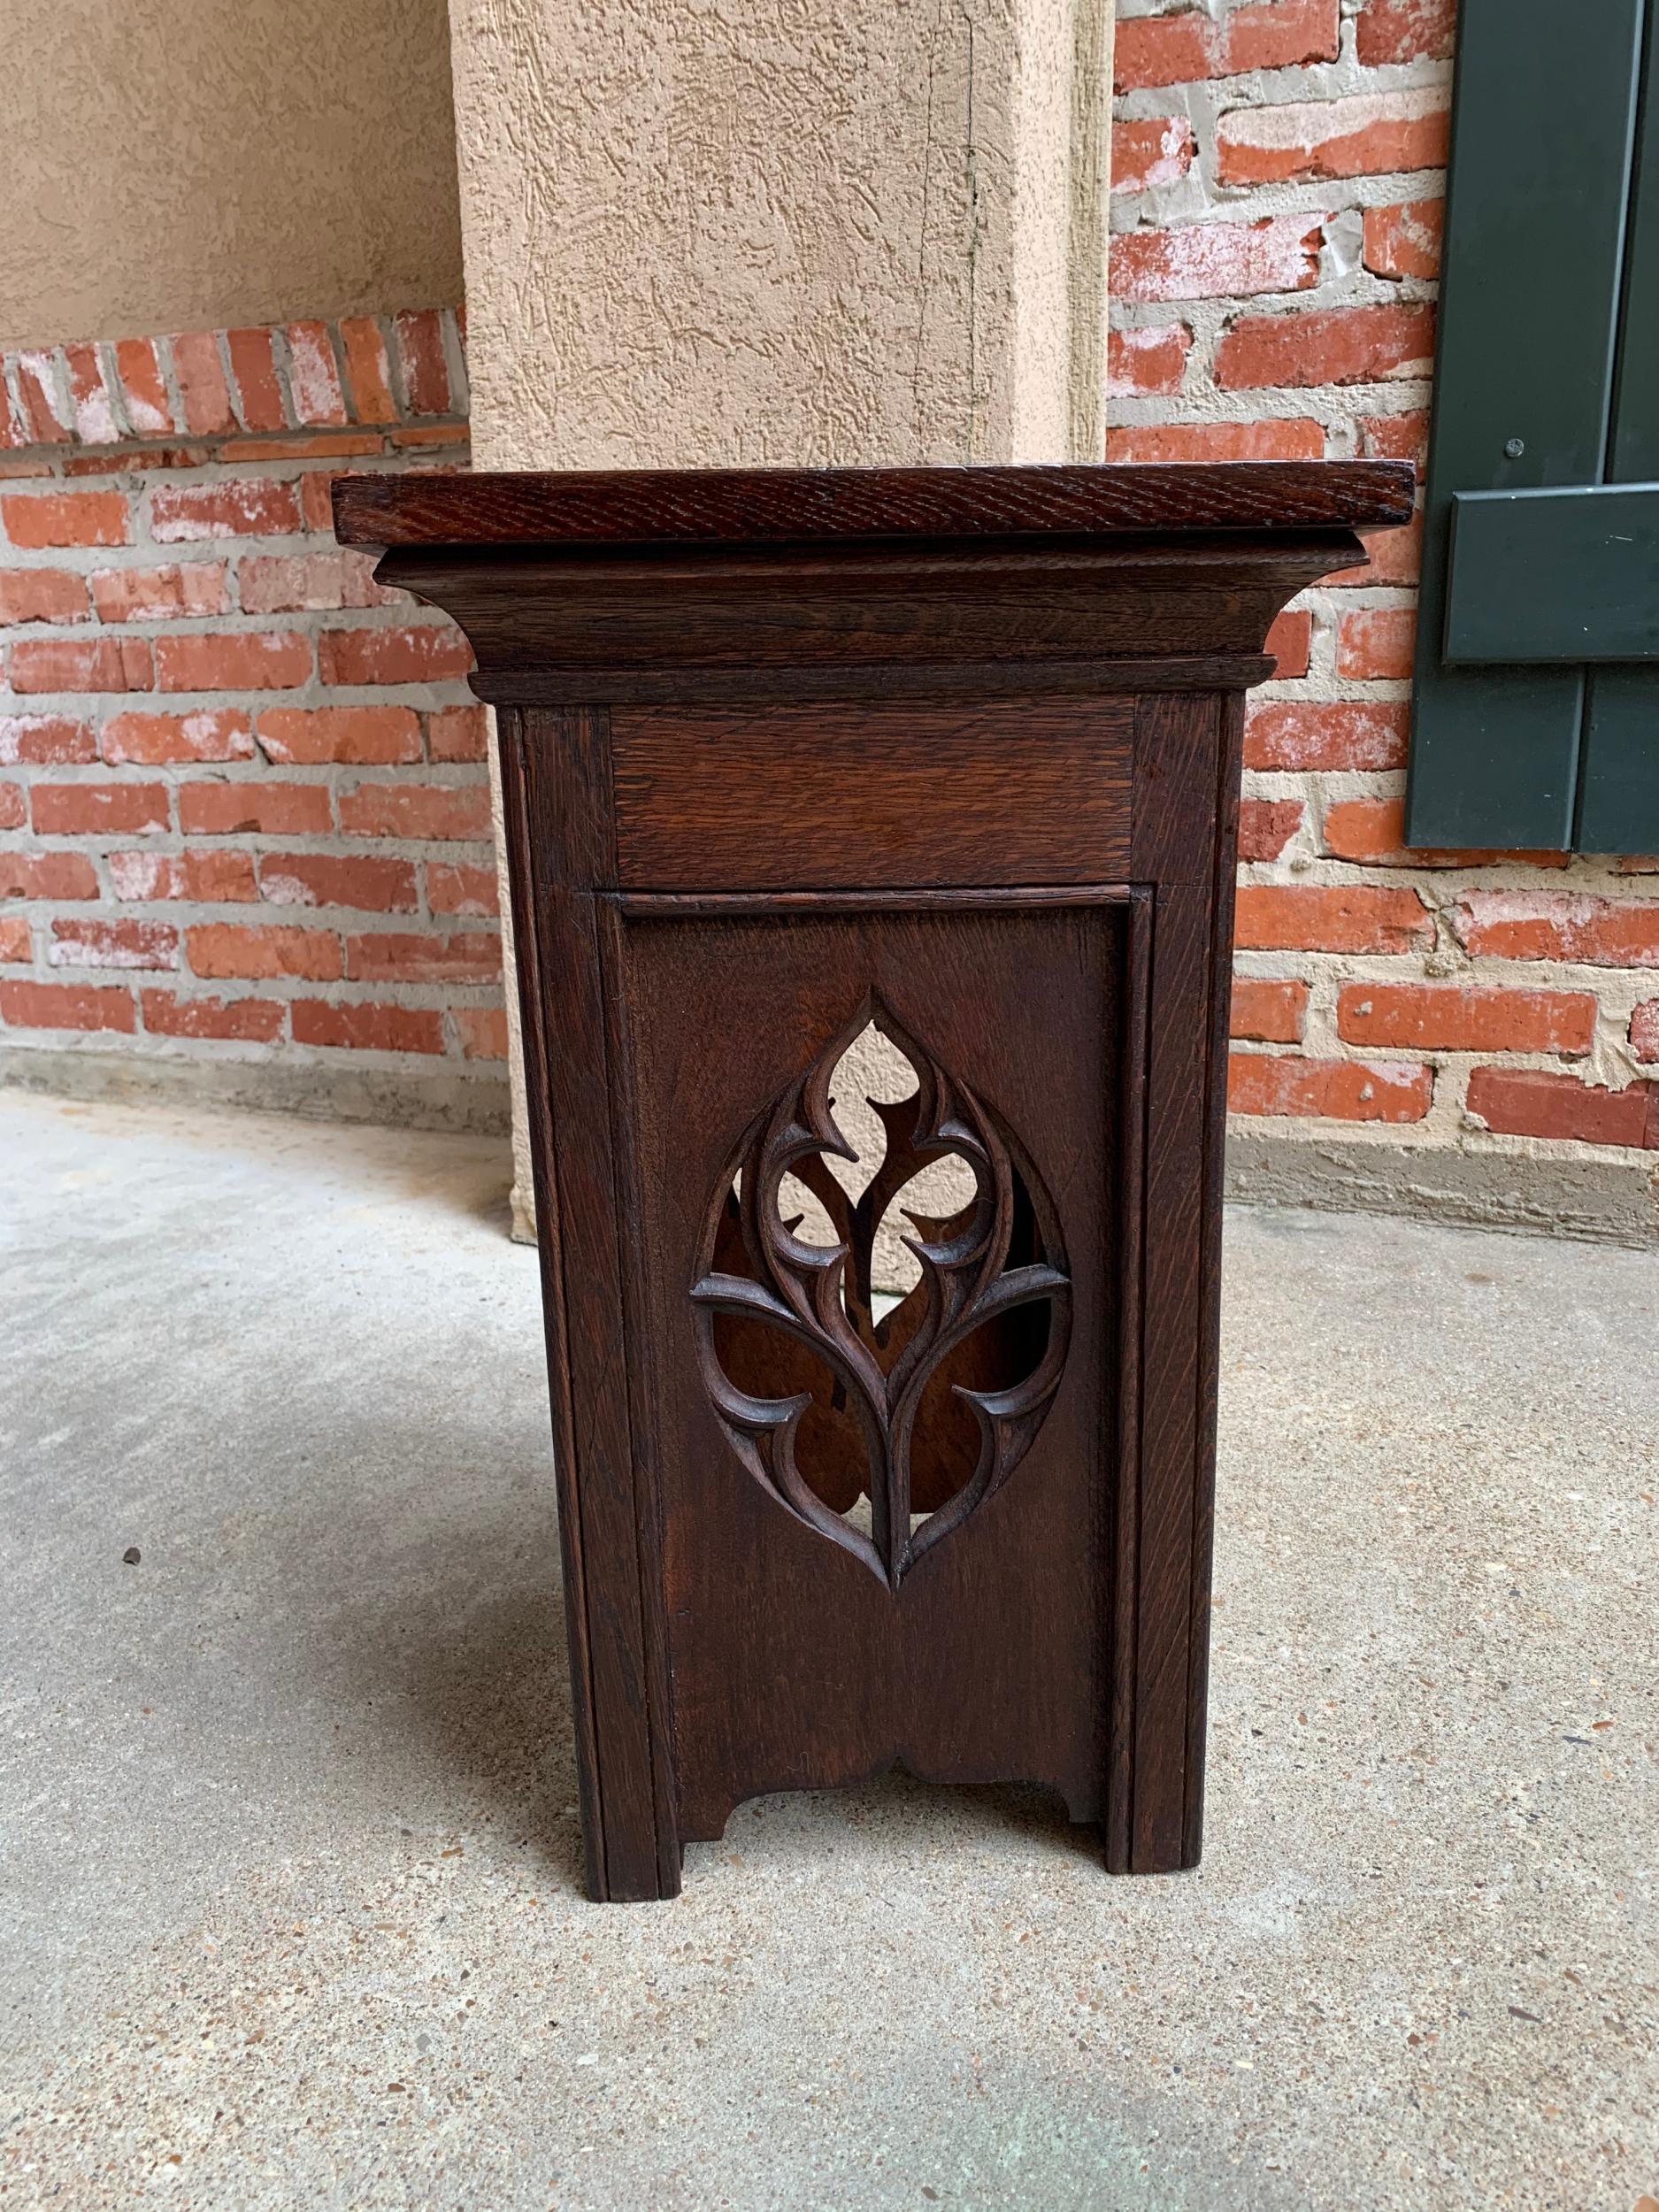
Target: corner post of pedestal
556,809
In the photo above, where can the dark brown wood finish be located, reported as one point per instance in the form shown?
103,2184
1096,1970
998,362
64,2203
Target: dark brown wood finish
685,781
954,753
747,507
556,779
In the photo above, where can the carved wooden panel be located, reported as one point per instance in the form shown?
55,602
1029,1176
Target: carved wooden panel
886,1536
917,1408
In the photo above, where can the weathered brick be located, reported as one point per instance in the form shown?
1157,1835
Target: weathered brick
1393,556
314,374
1402,437
255,949
1404,240
1161,50
1286,1083
1296,736
234,507
417,810
317,501
367,1027
296,583
456,890
40,741
1469,1017
210,878
42,595
254,805
58,876
1644,1030
307,445
1559,925
1375,642
37,521
1279,35
1290,641
143,387
405,957
1338,345
421,357
98,810
362,881
1372,830
178,590
92,396
258,389
1203,261
368,369
1288,438
200,376
241,660
14,809
1534,1102
85,943
159,740
243,1020
310,736
1406,30
16,940
1144,154
1149,362
1372,133
1268,1012
1331,917
458,734
133,460
422,654
26,1005
46,418
99,663
1266,826
482,1031
456,435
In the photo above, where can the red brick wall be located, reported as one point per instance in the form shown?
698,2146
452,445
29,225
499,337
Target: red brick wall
1278,181
244,805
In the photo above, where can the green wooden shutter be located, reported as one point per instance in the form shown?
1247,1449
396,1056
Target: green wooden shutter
1535,716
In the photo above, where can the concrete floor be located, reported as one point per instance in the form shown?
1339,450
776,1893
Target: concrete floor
290,1911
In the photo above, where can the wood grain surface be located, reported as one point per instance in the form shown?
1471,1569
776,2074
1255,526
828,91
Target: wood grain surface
1037,792
753,506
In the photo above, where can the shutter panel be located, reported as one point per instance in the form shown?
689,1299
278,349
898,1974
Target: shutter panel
1545,107
1618,795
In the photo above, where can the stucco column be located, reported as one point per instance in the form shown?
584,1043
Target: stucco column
769,231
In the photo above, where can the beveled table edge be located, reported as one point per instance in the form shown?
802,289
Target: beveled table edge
645,507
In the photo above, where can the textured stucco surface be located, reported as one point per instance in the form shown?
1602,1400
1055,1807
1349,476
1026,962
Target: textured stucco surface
291,1912
765,231
182,165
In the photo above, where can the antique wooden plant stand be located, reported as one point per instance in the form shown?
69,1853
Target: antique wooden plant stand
813,780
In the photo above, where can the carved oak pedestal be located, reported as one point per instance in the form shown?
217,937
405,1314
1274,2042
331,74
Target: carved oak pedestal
871,836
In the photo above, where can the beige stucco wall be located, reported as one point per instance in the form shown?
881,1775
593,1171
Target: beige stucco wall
768,232
181,165
773,231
